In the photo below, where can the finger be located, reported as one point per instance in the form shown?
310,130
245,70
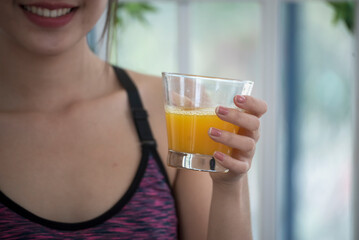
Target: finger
238,118
237,154
242,143
234,165
252,134
250,104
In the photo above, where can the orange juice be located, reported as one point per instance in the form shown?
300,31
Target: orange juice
187,131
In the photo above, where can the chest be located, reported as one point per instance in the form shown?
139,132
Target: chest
71,167
147,204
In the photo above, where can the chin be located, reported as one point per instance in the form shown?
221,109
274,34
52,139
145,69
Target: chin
48,50
52,46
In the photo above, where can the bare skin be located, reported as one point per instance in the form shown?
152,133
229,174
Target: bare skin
63,121
89,159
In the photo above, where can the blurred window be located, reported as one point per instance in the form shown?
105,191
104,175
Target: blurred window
300,181
318,78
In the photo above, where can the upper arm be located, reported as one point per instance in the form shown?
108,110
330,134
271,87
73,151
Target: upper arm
193,191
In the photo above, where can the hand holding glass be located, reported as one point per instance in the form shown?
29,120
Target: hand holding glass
190,103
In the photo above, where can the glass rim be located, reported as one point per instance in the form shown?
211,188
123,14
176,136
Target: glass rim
228,80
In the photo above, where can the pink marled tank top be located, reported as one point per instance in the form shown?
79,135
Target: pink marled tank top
146,211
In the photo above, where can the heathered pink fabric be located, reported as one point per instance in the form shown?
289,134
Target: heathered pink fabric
150,214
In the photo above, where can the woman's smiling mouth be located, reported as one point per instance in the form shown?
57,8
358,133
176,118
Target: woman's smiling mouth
48,15
45,12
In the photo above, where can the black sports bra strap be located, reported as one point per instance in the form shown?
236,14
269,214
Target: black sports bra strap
139,114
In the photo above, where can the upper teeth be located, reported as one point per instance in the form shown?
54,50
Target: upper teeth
44,12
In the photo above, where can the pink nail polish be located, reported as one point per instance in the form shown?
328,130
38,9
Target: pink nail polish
215,132
222,110
240,99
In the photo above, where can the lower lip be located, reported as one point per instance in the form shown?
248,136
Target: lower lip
50,22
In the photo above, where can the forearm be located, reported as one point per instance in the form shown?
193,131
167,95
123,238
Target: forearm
230,212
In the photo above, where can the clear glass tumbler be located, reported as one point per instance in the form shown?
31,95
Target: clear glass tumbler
190,103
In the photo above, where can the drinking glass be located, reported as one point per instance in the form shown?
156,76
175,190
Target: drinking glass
190,103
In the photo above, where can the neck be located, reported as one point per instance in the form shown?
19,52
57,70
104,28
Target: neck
48,82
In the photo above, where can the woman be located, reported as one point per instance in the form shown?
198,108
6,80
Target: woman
70,155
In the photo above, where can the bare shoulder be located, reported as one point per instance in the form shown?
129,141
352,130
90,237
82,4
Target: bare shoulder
151,91
145,79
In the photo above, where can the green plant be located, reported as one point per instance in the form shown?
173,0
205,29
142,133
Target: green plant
132,11
344,12
122,15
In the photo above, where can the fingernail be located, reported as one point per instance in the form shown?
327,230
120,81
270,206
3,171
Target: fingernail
240,99
222,110
219,156
215,132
